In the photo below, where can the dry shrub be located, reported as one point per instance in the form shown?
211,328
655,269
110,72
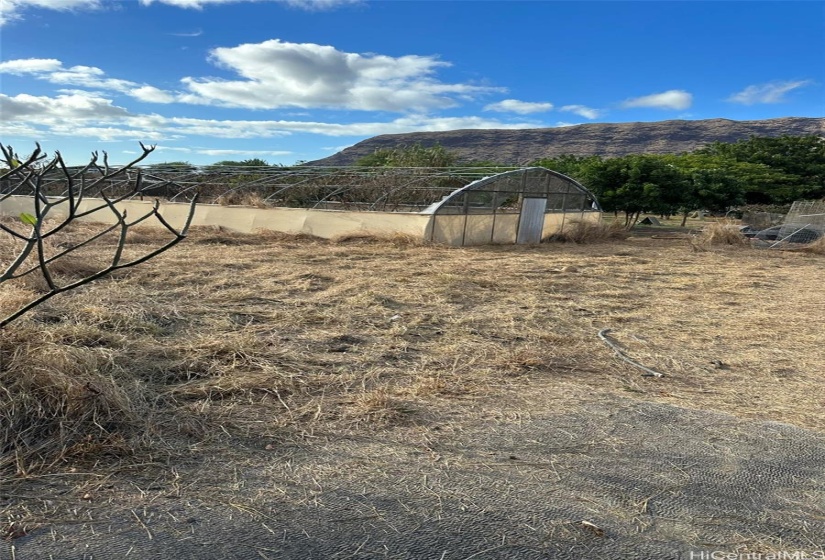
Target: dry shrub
720,233
815,248
13,297
75,266
268,235
241,198
145,235
583,231
75,390
57,400
218,235
397,239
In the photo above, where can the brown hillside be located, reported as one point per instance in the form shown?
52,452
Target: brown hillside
514,147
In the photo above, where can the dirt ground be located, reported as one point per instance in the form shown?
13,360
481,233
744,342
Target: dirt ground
367,399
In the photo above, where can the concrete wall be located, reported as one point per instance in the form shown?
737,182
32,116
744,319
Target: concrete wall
471,229
321,223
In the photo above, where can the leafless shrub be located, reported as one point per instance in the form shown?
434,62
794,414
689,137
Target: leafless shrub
41,253
62,395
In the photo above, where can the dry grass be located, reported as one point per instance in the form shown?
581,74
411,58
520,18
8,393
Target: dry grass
720,233
276,336
242,198
398,239
815,248
583,231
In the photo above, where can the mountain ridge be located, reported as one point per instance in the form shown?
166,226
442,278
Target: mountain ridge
521,146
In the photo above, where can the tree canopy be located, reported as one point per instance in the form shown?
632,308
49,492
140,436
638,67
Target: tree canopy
771,171
253,162
415,155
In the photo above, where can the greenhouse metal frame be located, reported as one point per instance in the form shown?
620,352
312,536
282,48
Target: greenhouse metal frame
455,206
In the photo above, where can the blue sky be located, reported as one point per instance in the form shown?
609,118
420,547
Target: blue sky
292,80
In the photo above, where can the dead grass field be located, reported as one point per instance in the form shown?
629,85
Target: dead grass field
271,340
276,337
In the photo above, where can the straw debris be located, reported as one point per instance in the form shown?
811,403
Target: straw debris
583,231
270,337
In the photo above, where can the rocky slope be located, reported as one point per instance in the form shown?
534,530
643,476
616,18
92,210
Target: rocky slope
514,147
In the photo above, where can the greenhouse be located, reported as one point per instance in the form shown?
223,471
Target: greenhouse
454,206
520,206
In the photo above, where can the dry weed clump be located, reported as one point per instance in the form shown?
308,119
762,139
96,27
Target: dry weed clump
145,235
720,233
583,231
217,235
242,198
815,248
80,382
397,239
59,399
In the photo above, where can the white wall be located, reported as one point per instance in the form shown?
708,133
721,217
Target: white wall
321,223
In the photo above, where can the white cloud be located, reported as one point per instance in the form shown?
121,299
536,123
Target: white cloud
771,92
582,111
79,114
51,110
173,149
278,74
272,128
152,95
84,114
88,77
336,149
111,133
520,107
317,5
311,5
18,130
30,66
52,71
672,99
196,33
13,10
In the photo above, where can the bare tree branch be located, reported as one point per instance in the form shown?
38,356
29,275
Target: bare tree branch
34,182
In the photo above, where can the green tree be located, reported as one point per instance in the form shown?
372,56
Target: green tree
635,184
776,170
415,155
171,167
712,183
712,189
253,162
570,165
